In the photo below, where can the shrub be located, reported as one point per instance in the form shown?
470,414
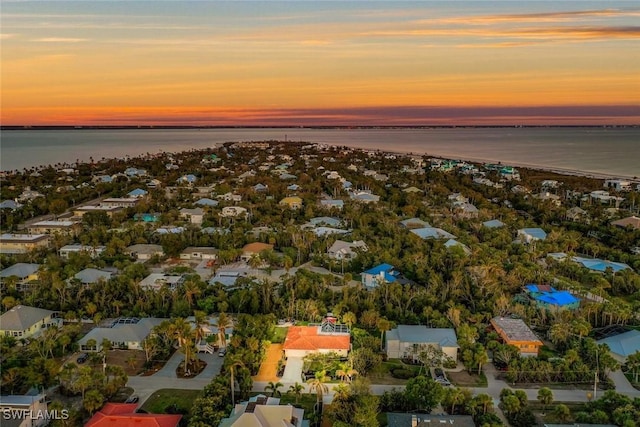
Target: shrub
403,374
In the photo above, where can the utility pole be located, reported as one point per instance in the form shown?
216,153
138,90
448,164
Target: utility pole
595,380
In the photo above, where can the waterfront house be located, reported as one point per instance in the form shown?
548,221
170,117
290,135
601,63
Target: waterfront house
618,184
516,333
22,243
403,341
23,321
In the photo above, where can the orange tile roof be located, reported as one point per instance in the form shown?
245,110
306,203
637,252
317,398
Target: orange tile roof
307,338
123,415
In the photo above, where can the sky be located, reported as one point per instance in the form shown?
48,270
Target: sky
320,63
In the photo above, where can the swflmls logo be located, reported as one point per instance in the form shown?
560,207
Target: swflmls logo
28,414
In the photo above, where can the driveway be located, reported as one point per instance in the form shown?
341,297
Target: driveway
293,370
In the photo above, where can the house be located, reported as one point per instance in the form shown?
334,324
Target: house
120,202
24,272
22,243
227,279
26,411
23,321
623,345
251,249
287,176
617,184
516,333
187,179
545,296
413,190
530,235
210,329
549,183
293,187
600,265
465,210
494,223
230,197
10,204
109,210
131,171
428,420
293,202
432,233
125,333
364,197
325,220
206,202
195,216
144,252
199,253
146,217
233,211
414,223
401,342
577,214
53,227
545,196
332,203
341,250
155,281
263,411
631,222
327,337
452,243
78,248
260,188
138,193
380,274
125,415
89,276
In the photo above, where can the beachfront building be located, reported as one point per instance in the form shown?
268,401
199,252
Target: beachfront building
516,333
23,321
618,184
406,341
22,243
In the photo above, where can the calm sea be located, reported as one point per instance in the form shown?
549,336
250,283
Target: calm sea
614,151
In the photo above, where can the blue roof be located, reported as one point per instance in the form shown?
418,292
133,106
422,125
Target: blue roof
379,269
624,344
137,192
536,233
559,298
207,202
601,265
494,223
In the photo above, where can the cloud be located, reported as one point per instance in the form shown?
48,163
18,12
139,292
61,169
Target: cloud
6,36
539,17
59,40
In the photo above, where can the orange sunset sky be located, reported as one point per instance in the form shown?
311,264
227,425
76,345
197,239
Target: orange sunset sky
320,63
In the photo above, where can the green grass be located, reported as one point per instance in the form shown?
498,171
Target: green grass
279,334
162,399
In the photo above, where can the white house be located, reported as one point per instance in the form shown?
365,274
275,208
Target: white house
77,248
195,216
529,235
341,250
124,333
406,341
233,211
144,252
199,253
618,184
155,281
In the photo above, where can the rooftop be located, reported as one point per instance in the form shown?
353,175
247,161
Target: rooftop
21,270
624,344
22,317
313,338
514,329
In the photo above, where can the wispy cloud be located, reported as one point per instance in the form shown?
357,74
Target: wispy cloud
59,40
6,36
577,15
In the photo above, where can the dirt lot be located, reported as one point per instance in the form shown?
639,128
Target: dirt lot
131,360
464,379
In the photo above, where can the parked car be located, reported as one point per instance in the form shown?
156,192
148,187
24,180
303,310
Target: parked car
132,399
82,358
308,375
222,352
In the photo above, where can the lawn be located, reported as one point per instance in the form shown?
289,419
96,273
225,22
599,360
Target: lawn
382,374
465,379
163,401
279,335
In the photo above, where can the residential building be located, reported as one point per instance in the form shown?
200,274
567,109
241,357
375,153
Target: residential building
195,216
530,235
233,211
23,321
631,222
125,333
327,337
52,227
515,332
413,190
452,243
155,281
412,223
251,249
207,202
138,193
29,411
10,204
364,197
90,276
332,203
187,179
428,420
125,415
341,250
623,345
545,296
144,252
122,202
380,274
293,202
494,223
263,411
23,272
405,341
77,248
577,214
226,278
230,197
432,233
199,253
545,196
618,184
108,209
465,210
22,243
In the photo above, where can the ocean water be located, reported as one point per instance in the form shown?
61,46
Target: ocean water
612,151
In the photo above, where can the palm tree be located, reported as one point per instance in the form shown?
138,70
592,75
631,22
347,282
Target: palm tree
485,400
545,396
383,325
346,373
297,390
181,332
200,319
317,384
233,365
191,290
273,388
224,322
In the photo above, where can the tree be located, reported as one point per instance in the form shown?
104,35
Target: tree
233,365
273,388
92,401
423,393
633,365
223,323
562,412
296,389
317,385
545,397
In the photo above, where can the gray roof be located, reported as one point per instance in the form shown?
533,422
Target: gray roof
428,420
515,329
432,233
119,332
624,344
92,275
21,270
22,317
445,337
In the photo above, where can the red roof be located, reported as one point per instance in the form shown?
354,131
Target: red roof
123,415
307,338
